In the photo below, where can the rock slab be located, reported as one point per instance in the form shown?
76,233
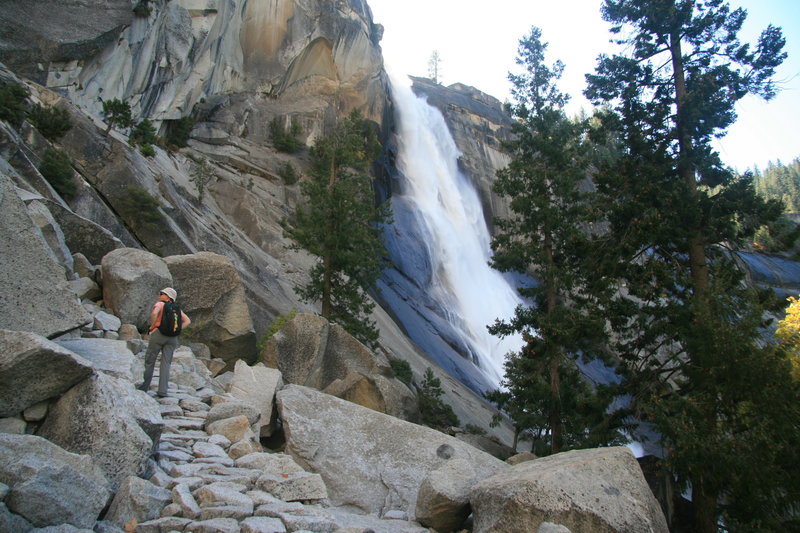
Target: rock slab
92,419
312,352
211,292
257,385
34,294
599,490
131,281
50,486
33,369
368,459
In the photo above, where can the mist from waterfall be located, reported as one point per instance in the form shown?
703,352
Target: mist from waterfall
443,201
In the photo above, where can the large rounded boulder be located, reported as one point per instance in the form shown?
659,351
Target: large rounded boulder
132,279
599,490
211,292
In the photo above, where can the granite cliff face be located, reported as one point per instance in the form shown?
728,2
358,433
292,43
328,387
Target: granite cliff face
185,51
233,66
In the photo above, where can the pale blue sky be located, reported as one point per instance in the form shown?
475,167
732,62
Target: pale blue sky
477,42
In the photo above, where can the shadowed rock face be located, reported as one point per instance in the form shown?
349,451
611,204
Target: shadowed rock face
33,369
310,351
58,30
94,418
50,485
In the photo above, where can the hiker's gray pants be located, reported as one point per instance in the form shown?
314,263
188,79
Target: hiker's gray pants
166,345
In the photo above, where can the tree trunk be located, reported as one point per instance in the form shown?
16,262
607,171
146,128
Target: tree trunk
686,171
555,406
327,286
705,509
327,258
705,504
556,429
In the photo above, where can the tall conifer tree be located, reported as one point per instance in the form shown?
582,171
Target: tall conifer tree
687,329
342,226
546,234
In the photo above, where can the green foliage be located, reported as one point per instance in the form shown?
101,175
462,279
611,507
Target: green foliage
288,173
178,131
12,103
780,182
527,399
147,150
341,225
56,168
777,237
52,122
435,67
402,370
118,113
275,327
433,411
201,177
549,161
139,210
686,328
143,9
143,133
472,429
285,140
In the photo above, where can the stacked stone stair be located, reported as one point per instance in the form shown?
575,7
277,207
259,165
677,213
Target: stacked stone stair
206,485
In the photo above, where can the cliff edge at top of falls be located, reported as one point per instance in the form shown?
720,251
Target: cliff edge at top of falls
479,126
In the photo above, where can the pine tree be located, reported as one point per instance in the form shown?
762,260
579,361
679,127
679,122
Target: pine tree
547,234
118,113
201,176
143,133
435,67
52,122
687,329
781,182
342,226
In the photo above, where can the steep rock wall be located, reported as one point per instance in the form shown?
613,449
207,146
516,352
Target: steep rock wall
188,50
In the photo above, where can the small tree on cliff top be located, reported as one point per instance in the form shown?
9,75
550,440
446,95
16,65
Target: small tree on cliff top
435,67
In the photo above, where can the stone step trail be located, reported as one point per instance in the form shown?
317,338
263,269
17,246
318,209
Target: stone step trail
212,488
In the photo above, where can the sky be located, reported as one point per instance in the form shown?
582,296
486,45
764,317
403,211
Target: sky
477,42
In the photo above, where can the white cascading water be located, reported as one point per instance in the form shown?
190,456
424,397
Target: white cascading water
473,293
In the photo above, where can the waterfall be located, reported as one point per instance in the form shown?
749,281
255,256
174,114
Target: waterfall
439,206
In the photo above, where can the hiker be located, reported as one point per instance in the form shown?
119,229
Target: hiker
166,322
